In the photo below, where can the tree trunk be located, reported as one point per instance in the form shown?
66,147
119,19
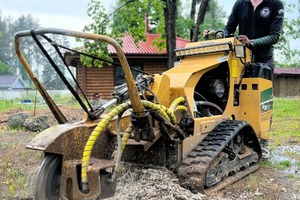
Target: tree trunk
193,10
200,19
170,12
213,8
192,17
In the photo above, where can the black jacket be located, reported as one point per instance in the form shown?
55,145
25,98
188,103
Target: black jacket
262,26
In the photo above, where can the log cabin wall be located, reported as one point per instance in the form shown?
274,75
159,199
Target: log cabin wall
102,80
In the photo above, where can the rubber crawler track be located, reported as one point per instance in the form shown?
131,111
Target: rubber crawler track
193,169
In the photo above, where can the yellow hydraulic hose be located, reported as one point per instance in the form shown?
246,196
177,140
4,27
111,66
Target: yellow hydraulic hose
126,136
175,103
160,109
93,137
182,108
104,123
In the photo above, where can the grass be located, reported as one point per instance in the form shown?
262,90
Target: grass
286,116
282,165
7,105
14,179
17,164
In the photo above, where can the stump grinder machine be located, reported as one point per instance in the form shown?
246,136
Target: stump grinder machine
200,119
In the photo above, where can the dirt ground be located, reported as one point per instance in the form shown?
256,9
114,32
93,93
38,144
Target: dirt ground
278,178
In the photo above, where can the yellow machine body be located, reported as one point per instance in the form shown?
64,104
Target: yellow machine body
202,119
255,96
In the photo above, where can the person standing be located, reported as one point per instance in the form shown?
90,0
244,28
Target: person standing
259,25
97,101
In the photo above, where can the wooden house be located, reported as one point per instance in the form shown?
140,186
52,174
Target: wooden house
12,82
286,82
144,57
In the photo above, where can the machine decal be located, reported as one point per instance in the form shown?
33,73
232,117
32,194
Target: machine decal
234,68
266,100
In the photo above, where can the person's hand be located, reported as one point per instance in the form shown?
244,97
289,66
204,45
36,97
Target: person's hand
244,39
205,34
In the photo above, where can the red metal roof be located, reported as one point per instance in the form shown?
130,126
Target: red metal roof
286,71
144,47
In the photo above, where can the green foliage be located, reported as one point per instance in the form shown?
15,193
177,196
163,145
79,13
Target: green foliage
50,78
40,65
281,165
9,27
4,69
128,17
27,45
98,26
288,57
5,50
213,18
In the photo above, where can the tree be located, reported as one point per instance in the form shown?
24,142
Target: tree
170,13
5,40
50,78
28,47
286,56
200,18
213,19
132,20
8,27
40,65
4,69
98,25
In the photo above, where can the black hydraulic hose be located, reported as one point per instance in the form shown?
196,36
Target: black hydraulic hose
58,71
211,104
149,90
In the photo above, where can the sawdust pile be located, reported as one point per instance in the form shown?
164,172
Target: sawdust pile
139,183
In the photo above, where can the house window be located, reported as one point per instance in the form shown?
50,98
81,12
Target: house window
119,74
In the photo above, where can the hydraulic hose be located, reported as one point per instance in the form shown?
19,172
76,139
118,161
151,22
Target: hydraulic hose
176,102
211,104
181,108
162,110
124,140
93,137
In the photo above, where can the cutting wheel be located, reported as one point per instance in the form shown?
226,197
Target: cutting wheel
48,178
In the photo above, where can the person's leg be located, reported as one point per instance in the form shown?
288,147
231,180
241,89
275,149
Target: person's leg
264,139
264,145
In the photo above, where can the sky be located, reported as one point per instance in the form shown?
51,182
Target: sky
69,14
55,13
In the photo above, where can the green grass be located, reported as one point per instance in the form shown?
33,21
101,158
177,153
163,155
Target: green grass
286,116
7,105
14,179
281,165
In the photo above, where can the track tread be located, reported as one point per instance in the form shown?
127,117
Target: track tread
193,169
